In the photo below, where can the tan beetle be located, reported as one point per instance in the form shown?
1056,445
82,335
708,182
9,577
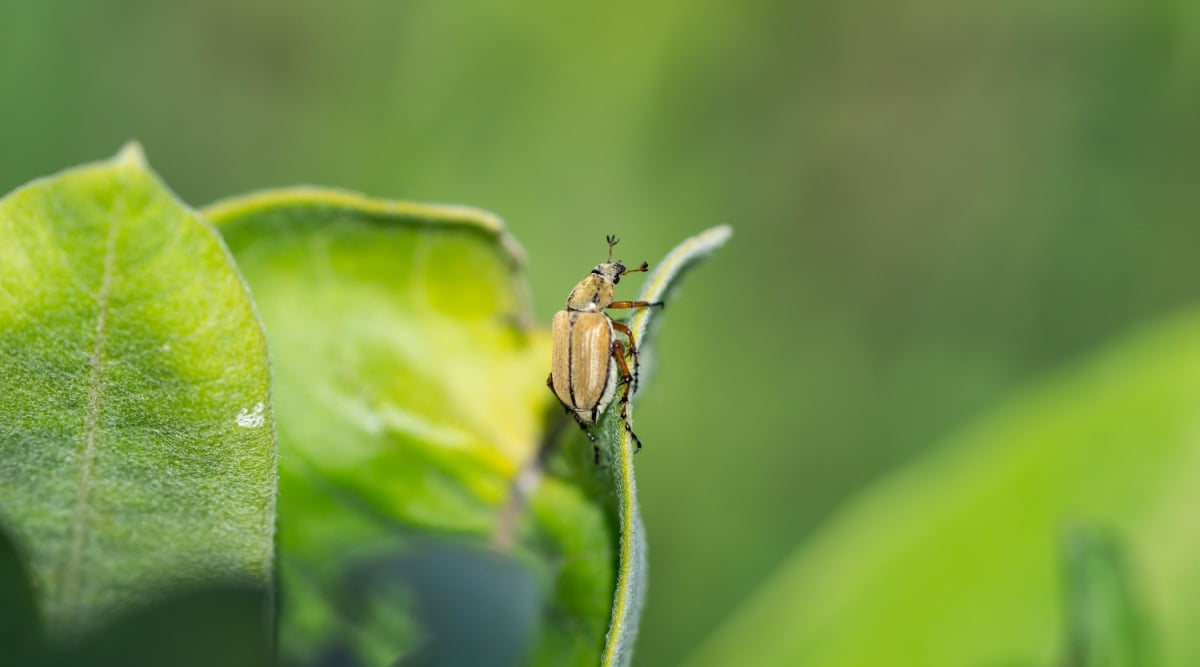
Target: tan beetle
586,354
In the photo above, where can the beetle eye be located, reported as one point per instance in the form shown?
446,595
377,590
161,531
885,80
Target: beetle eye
617,279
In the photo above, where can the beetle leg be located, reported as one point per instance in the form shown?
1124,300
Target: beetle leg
595,447
582,425
628,334
632,351
636,304
619,353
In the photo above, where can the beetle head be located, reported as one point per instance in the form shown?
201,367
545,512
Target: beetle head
610,271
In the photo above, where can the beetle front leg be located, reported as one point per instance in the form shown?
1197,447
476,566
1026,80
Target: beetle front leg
636,304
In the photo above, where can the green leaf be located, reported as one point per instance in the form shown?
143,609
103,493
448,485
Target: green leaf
410,389
617,441
135,430
476,607
215,625
20,624
1106,620
954,561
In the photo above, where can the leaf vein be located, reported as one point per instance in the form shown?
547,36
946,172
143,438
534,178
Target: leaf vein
71,581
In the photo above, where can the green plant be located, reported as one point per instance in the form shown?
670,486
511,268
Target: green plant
426,510
956,560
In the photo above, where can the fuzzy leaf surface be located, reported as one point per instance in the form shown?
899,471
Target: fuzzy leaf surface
136,437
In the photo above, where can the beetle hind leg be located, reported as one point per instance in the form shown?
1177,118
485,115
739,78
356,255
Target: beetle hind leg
588,432
629,379
625,420
578,420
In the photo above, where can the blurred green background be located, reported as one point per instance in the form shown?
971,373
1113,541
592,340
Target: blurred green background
934,203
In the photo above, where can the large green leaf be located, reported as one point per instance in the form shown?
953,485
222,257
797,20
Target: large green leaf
616,434
410,388
955,561
136,438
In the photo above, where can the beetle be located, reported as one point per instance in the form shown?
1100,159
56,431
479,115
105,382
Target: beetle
587,360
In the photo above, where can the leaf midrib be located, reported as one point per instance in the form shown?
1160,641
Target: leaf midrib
69,590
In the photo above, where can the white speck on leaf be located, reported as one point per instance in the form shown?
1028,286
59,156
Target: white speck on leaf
251,418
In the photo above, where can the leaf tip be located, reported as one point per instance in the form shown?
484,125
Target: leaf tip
704,243
718,235
131,155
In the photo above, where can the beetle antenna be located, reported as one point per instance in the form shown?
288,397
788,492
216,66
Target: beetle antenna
612,241
644,267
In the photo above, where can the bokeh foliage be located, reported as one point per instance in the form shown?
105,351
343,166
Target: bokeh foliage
958,560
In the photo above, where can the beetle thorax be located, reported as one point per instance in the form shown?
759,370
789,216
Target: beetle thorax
595,292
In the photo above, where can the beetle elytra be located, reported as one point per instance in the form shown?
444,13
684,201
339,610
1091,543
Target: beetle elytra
588,361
